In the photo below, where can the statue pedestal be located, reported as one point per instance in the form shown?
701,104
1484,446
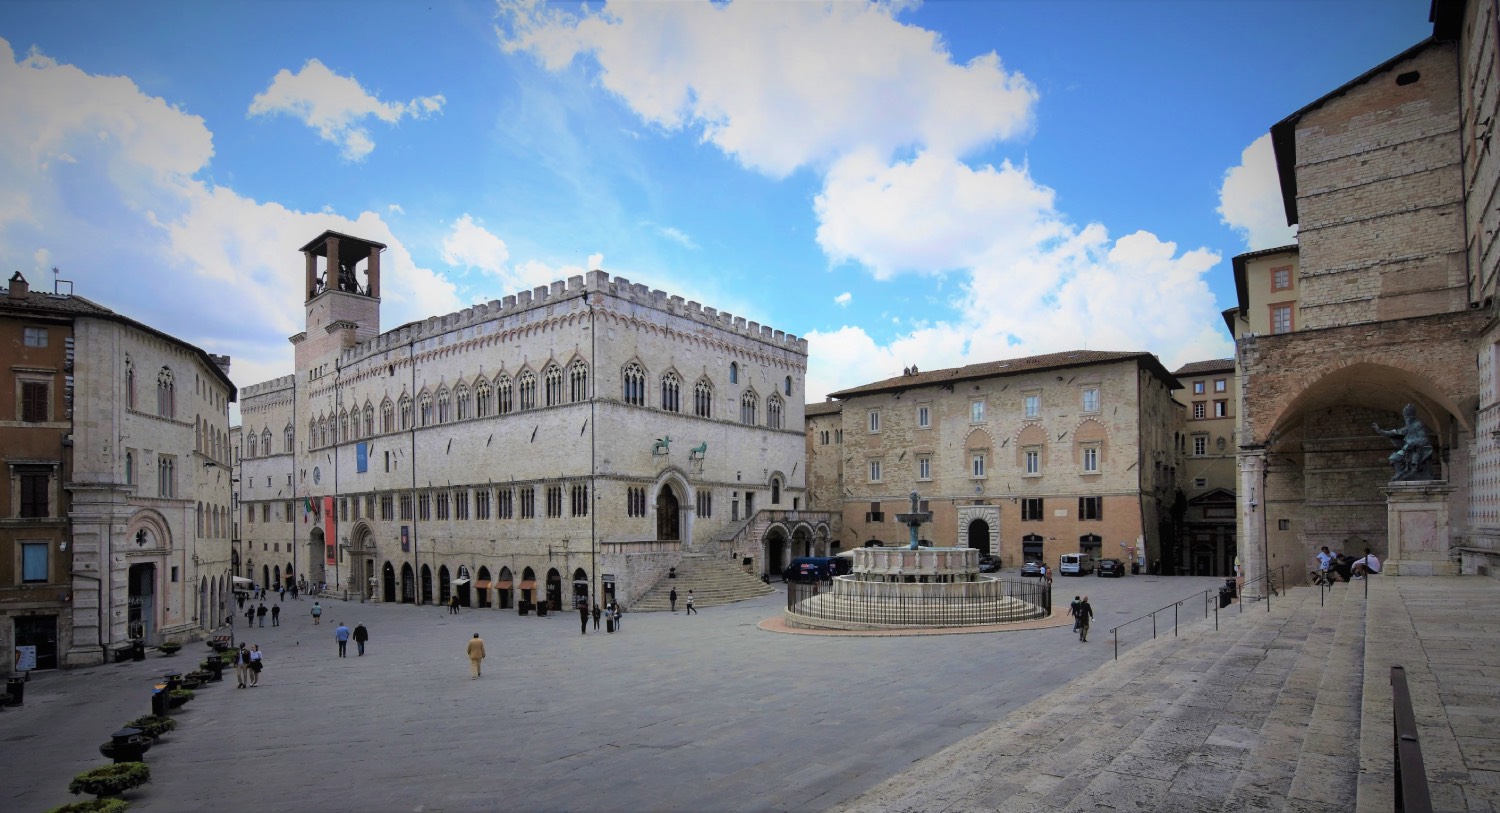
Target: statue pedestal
1417,529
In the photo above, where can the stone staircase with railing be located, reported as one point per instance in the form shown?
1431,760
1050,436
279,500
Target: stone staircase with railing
1261,714
712,579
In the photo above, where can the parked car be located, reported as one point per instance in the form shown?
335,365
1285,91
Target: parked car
1111,567
1032,568
816,568
1075,564
989,564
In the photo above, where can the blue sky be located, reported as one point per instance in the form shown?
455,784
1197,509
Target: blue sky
939,184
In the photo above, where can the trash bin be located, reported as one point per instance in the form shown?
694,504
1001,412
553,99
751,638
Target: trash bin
16,688
1232,587
138,650
1226,596
159,702
541,609
523,607
1135,568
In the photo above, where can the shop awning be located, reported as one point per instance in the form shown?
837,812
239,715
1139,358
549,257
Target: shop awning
457,582
482,584
529,584
241,580
503,584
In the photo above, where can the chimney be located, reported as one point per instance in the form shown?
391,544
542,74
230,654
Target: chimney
18,286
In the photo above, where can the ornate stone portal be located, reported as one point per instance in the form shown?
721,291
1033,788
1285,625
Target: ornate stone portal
1418,529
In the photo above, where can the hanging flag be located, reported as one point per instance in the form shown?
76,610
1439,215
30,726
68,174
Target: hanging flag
307,508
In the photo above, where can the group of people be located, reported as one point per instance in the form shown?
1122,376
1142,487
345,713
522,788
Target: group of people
342,634
248,662
688,602
1333,566
612,614
253,613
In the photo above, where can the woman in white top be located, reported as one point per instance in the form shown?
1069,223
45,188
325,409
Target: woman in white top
256,664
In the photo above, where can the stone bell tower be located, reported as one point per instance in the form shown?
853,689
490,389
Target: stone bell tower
341,312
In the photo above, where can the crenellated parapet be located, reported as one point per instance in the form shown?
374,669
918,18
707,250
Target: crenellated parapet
616,293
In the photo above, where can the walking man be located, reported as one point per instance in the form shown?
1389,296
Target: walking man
1085,614
317,612
596,616
276,615
250,617
360,636
476,654
342,636
690,610
261,613
672,597
1073,611
583,618
242,665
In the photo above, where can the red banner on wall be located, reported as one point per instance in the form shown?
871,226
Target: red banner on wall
330,535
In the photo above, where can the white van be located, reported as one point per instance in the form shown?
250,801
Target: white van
1075,564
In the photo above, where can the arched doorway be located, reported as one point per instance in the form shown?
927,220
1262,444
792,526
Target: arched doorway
775,557
203,615
527,587
802,542
289,576
979,536
315,554
265,576
554,589
580,588
141,595
275,582
388,586
668,523
461,585
426,584
482,587
444,590
408,584
503,587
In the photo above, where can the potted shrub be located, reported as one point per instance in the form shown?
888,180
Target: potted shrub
111,780
169,648
152,725
178,697
94,806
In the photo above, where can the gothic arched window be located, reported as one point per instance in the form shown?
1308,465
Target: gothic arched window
424,408
461,403
526,390
554,378
289,439
129,383
369,419
671,393
166,394
387,416
734,372
578,381
405,410
703,399
482,394
634,378
773,412
444,406
747,408
505,399
253,442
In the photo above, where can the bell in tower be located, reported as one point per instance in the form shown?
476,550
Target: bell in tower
342,285
342,255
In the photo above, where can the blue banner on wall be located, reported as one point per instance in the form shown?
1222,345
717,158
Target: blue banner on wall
361,457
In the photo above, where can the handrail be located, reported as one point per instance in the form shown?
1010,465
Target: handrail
1411,776
1270,580
1115,632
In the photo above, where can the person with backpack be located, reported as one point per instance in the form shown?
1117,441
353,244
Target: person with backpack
317,612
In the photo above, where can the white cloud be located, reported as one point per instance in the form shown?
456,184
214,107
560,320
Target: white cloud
783,85
677,236
1250,199
842,300
395,209
336,106
882,111
471,245
203,263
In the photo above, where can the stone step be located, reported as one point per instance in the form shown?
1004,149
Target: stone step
1327,772
1265,777
713,582
1118,737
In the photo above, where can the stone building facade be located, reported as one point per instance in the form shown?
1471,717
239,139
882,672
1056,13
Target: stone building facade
1027,458
1390,181
575,440
1209,473
126,480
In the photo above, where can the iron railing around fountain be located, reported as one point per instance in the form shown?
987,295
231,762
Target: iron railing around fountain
888,604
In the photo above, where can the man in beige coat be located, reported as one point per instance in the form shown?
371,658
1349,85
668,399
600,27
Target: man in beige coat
476,654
